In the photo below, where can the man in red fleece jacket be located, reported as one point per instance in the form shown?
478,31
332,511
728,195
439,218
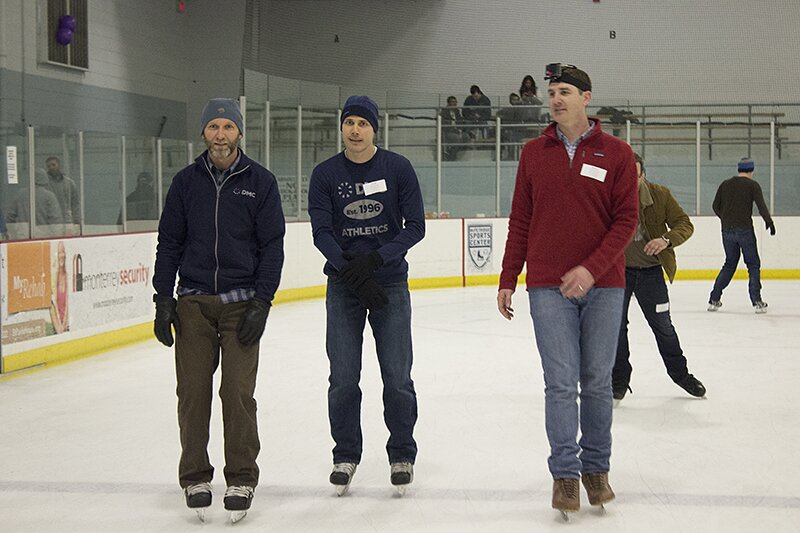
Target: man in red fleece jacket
575,208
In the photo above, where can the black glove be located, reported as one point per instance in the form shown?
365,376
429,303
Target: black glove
166,316
771,227
371,295
359,268
252,322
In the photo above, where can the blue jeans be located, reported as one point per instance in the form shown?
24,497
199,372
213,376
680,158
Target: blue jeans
651,292
391,327
736,241
577,340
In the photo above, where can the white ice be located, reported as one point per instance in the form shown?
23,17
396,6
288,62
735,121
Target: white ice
93,445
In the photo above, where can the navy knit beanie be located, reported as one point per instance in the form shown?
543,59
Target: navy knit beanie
746,165
221,108
361,106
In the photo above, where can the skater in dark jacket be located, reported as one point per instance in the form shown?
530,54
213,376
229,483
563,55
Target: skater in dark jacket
733,204
222,232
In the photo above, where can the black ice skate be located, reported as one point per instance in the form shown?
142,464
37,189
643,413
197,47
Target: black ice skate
342,475
237,501
619,391
198,497
402,476
693,386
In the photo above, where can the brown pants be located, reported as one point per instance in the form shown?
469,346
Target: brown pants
206,327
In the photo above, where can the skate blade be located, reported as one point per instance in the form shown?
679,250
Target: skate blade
564,516
615,403
401,490
201,514
602,510
341,490
237,516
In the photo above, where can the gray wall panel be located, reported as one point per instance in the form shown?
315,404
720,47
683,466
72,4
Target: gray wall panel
671,51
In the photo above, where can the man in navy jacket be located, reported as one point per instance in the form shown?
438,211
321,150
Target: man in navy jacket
222,232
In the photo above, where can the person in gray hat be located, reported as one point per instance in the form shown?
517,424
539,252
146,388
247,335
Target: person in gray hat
221,232
366,212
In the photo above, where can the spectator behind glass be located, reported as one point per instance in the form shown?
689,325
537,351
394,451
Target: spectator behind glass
48,212
141,203
477,110
527,94
66,191
510,130
451,132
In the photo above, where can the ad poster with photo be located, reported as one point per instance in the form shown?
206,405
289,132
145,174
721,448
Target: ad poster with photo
60,287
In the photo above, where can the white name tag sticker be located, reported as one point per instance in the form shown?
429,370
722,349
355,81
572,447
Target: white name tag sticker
591,171
662,308
373,187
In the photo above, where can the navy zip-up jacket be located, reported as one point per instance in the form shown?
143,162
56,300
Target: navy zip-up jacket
220,240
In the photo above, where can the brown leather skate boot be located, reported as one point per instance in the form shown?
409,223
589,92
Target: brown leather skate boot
597,488
566,495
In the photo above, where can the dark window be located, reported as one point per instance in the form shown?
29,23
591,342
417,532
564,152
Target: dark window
76,53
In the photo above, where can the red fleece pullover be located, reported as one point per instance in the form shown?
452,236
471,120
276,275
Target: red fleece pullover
566,214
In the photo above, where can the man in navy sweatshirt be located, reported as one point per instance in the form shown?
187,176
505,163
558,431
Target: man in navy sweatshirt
222,232
366,212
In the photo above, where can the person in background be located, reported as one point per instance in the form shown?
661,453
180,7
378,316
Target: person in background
477,110
48,211
663,225
66,192
528,97
573,212
733,204
222,232
366,212
452,132
511,129
142,203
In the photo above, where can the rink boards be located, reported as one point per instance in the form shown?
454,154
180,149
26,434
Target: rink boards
109,289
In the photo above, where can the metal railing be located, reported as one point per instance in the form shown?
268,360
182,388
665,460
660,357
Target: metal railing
468,169
465,169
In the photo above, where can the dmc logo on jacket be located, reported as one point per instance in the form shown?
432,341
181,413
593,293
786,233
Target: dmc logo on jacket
244,192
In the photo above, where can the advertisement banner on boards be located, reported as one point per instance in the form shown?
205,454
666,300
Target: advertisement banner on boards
59,286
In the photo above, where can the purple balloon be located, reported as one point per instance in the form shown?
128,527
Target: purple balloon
64,36
68,22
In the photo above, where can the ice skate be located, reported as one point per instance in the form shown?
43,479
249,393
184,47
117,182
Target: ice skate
714,305
760,307
237,501
402,474
693,386
198,497
619,391
598,489
566,497
342,475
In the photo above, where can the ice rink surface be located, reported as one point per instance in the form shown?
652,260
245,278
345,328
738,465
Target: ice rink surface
93,445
